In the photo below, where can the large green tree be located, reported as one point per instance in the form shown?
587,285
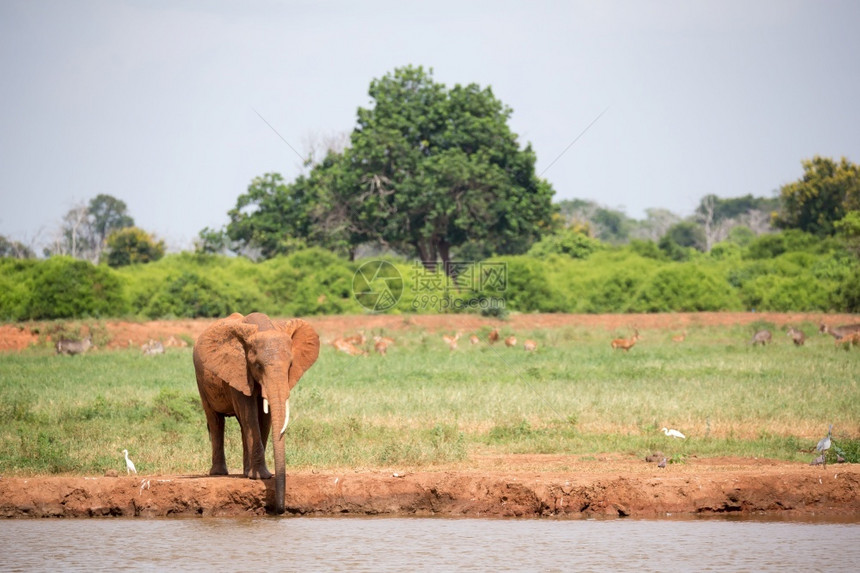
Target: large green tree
429,170
438,168
825,193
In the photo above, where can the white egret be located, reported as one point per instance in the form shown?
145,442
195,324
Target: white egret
129,465
673,433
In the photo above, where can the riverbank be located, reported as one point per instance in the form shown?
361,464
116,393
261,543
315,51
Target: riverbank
525,486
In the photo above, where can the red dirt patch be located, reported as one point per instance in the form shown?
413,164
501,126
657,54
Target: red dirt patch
508,486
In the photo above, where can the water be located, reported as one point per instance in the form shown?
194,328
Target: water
353,544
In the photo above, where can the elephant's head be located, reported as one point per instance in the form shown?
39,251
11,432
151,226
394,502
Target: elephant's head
264,359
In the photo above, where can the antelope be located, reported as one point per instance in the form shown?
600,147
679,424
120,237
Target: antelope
384,339
474,339
347,347
530,345
494,336
849,339
761,337
451,341
839,332
625,344
173,341
381,346
796,336
70,347
511,341
359,339
679,337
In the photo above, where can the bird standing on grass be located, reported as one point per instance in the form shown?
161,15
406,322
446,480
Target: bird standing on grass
824,443
823,446
673,433
129,465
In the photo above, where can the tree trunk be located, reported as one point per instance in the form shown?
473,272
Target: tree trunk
445,254
427,253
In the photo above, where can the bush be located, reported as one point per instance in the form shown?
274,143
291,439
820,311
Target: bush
615,292
309,282
846,296
784,293
565,242
63,287
15,286
195,285
190,295
684,288
725,251
132,245
647,249
807,275
775,244
529,288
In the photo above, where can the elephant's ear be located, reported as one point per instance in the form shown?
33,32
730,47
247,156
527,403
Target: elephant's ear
222,352
306,347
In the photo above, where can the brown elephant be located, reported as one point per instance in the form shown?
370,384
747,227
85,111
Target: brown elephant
244,364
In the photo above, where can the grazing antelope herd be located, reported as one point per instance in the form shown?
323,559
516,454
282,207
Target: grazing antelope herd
354,344
358,344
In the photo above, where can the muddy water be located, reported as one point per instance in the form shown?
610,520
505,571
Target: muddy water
350,544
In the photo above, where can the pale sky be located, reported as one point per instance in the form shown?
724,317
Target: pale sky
154,102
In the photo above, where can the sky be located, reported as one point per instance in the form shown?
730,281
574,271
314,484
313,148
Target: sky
159,103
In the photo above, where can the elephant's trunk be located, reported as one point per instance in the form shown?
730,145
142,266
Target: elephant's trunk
280,417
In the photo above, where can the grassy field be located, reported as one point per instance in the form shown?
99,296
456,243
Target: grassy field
423,405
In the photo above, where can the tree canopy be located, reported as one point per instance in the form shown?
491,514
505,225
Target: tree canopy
15,249
131,245
825,193
429,170
84,231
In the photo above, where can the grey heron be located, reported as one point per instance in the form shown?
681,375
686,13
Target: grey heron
824,443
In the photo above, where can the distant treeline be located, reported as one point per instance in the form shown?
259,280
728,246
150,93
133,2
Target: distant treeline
789,271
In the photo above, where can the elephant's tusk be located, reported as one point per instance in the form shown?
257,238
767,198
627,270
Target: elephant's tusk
265,406
286,417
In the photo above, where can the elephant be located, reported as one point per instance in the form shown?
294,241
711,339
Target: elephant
244,365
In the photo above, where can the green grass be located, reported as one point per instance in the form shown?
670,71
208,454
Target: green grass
423,405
